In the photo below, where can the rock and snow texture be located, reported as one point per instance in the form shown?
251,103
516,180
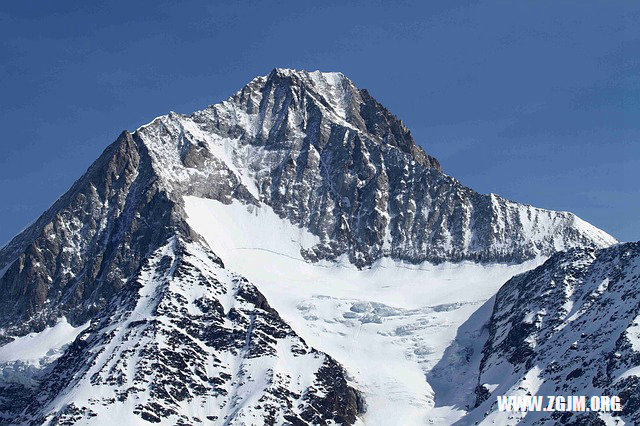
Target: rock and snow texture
568,327
328,157
364,248
79,253
185,342
82,261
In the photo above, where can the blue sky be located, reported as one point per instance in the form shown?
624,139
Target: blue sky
536,101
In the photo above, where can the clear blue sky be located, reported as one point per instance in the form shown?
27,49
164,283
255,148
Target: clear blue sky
536,101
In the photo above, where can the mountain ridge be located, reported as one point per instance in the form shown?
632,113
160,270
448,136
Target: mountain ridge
357,169
184,341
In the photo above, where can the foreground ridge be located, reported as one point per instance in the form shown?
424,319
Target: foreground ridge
186,341
568,327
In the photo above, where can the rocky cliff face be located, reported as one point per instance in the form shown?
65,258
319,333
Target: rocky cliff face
80,252
329,158
318,150
569,327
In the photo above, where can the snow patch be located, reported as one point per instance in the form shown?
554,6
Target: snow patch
25,358
35,346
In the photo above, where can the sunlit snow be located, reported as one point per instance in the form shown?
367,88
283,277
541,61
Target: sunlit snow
388,325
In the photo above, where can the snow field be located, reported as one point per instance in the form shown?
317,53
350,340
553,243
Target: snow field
388,325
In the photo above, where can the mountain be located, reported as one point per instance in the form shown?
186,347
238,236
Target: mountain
139,265
317,150
568,327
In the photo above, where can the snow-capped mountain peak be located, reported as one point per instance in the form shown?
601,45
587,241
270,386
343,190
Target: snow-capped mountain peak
328,157
298,169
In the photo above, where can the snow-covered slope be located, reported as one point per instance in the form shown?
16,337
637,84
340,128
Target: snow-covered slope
23,360
569,327
185,342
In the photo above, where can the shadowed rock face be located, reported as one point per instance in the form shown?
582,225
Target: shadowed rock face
79,253
568,327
